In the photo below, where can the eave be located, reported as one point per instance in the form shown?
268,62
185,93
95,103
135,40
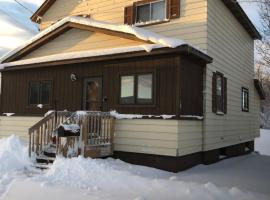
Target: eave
242,17
181,50
42,9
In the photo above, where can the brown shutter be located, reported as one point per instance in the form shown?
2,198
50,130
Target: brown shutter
214,92
173,9
225,95
129,15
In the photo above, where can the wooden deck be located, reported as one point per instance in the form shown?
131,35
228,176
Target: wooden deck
94,140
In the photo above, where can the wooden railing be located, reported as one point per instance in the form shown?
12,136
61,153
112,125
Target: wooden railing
97,130
42,132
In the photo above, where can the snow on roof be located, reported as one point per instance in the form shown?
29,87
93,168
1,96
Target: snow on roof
82,54
140,33
158,41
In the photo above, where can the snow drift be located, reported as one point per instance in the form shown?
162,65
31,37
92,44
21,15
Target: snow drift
14,161
13,155
131,182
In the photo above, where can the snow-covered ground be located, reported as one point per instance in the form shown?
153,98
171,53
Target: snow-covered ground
262,144
243,178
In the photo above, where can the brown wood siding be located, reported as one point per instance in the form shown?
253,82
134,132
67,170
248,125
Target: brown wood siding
68,94
191,87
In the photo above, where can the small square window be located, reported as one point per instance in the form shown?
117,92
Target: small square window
40,92
245,99
127,90
136,89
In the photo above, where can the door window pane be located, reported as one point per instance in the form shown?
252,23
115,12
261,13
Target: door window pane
127,89
143,13
45,92
158,11
34,92
92,96
145,88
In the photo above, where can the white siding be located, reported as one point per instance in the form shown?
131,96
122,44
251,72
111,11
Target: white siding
232,49
191,26
161,137
17,125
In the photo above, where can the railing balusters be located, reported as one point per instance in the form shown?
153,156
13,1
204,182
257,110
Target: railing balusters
97,129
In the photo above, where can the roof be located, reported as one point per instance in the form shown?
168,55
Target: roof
127,31
232,5
242,17
152,41
259,88
104,55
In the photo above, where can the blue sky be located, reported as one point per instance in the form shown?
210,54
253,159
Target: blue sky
16,27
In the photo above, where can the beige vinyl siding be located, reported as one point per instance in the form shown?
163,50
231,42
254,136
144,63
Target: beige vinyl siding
191,26
232,49
76,40
17,125
160,137
189,137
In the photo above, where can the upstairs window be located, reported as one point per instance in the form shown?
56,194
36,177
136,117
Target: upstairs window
136,89
151,12
40,92
245,99
219,93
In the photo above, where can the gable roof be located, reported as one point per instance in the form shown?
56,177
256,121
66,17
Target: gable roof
126,31
104,55
152,41
232,5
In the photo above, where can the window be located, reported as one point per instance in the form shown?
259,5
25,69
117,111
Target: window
151,12
245,100
136,89
127,90
219,93
40,92
144,88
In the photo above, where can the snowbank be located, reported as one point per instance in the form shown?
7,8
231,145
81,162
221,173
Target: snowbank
262,144
13,161
13,155
124,181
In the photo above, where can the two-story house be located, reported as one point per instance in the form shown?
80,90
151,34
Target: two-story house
186,65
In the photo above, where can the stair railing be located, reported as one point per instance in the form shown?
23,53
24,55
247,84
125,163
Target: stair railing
97,130
41,133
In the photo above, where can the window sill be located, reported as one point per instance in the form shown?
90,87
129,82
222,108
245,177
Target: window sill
150,23
220,113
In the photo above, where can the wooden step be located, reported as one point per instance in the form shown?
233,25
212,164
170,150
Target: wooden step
44,159
41,166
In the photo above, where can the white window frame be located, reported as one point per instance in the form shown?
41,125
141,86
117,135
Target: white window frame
150,12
